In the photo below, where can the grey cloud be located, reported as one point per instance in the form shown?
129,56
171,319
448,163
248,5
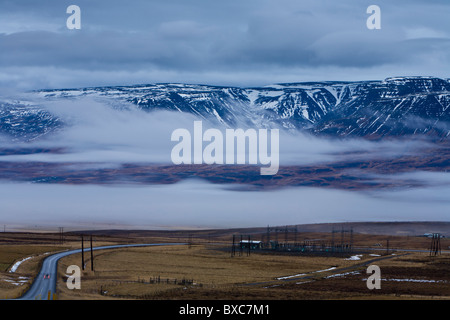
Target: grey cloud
212,40
205,205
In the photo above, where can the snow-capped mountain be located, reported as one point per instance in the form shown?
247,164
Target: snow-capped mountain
26,122
372,109
394,107
289,105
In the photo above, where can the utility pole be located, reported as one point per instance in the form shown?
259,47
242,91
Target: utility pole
332,240
286,235
435,244
61,235
82,253
92,256
351,239
240,247
233,248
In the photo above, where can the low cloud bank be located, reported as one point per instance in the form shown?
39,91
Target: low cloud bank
99,134
98,131
199,204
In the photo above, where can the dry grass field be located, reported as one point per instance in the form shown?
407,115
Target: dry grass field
131,273
30,249
207,266
205,269
13,284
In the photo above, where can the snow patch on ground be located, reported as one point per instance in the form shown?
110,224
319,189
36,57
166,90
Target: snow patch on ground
17,282
415,280
303,282
412,280
329,269
356,257
304,274
293,276
17,264
342,274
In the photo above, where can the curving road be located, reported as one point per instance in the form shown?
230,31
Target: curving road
41,286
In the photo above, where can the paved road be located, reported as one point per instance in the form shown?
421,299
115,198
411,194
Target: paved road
41,286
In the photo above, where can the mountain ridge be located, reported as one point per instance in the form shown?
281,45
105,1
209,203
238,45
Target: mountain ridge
394,107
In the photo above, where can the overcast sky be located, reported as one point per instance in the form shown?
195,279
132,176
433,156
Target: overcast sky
232,42
228,42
